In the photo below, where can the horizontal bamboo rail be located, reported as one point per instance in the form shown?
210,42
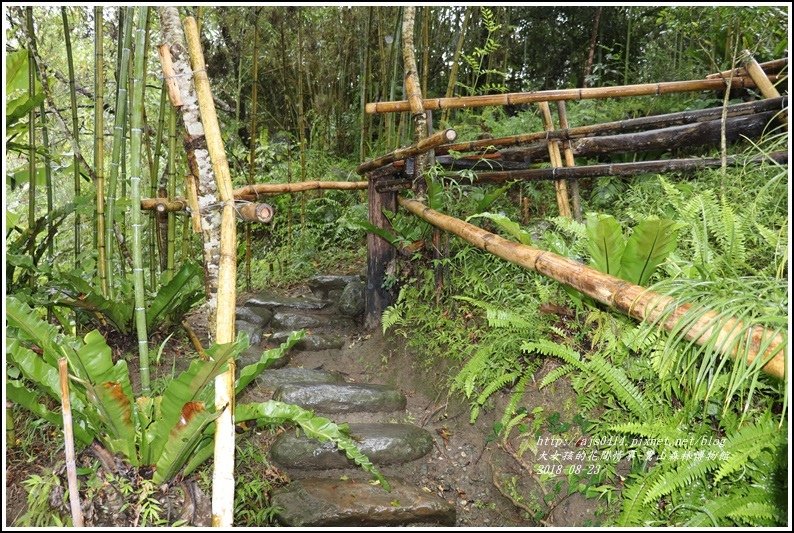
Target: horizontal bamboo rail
621,126
643,89
426,144
249,192
633,300
774,66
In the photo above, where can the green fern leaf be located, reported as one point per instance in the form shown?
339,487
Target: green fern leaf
605,243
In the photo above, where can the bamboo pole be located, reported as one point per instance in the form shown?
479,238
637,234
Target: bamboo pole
164,205
769,67
194,340
171,170
99,146
569,161
620,126
761,80
31,143
633,300
68,438
119,125
223,473
251,191
453,73
75,128
169,75
642,89
253,212
252,144
414,92
136,141
560,188
417,148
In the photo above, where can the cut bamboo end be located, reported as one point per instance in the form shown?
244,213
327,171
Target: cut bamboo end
251,212
425,145
774,66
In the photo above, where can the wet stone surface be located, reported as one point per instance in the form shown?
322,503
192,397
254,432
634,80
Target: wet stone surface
351,302
384,444
292,321
273,302
254,331
255,315
312,342
323,285
328,502
343,398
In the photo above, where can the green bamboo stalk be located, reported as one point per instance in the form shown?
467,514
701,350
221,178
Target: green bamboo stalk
99,146
31,143
75,129
136,141
119,127
171,173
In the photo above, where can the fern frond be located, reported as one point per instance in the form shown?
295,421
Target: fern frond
554,375
518,394
634,511
620,385
495,385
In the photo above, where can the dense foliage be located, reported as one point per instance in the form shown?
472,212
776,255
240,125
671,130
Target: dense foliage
715,239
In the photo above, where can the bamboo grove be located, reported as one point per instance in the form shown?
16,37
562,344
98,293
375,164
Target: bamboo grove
139,164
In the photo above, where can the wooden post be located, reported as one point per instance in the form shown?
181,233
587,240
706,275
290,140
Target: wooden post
556,162
379,255
68,437
569,161
761,80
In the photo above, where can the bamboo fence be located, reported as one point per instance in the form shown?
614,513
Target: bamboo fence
633,300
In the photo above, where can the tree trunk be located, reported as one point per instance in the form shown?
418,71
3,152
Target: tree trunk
588,66
195,141
67,35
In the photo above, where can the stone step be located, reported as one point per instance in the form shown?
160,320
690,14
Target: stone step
290,321
274,302
254,331
314,341
384,444
270,380
325,502
342,398
325,286
259,316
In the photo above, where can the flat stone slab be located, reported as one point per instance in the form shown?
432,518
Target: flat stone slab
312,342
273,379
384,444
323,284
254,315
327,502
292,321
342,398
272,302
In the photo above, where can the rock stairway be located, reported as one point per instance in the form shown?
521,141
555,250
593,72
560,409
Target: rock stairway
328,489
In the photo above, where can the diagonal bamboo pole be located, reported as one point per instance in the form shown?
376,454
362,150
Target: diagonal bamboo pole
761,80
223,473
570,162
633,300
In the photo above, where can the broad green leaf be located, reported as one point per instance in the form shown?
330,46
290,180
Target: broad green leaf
194,384
314,426
46,336
108,388
172,294
648,246
489,198
87,298
250,372
510,227
35,368
182,440
395,240
17,72
435,194
29,399
19,108
605,243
